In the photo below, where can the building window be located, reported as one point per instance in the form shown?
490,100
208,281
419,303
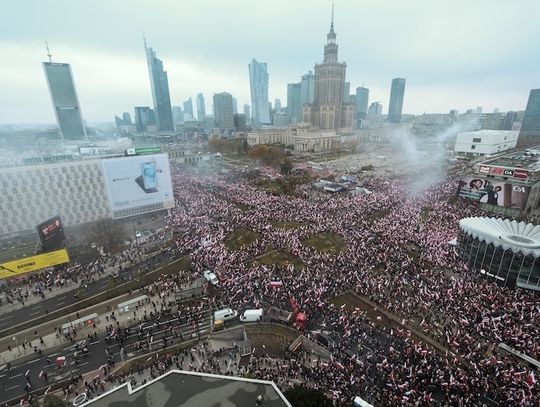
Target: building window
473,147
476,140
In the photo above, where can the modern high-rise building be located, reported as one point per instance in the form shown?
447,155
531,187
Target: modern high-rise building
223,110
328,110
346,92
234,105
375,109
277,105
307,94
188,107
529,133
508,120
144,117
294,102
247,113
177,114
258,83
240,122
361,101
126,117
201,109
397,93
159,83
65,101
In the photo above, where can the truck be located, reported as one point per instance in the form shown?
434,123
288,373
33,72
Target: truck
298,319
211,278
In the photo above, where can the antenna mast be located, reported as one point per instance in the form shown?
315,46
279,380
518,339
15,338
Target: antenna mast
49,55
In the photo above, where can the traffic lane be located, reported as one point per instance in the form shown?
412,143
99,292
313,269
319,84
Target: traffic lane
13,382
21,315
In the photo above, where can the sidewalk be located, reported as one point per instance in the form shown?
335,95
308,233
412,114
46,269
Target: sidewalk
6,307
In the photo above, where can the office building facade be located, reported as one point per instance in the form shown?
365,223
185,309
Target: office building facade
65,101
375,109
188,108
307,84
247,113
530,126
201,108
258,82
294,102
144,117
361,102
397,93
223,110
159,83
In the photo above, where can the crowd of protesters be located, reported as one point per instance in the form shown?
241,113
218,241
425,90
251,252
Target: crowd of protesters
397,255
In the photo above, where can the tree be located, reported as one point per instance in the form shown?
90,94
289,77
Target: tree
302,396
286,166
52,400
107,233
268,155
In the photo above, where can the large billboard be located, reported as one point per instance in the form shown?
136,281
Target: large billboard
138,184
492,192
26,265
51,229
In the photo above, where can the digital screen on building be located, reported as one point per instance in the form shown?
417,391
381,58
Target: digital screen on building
138,182
51,229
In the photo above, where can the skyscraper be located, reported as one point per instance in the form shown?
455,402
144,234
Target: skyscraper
188,107
307,92
144,117
177,114
346,92
159,83
375,109
258,82
294,105
361,102
529,133
328,110
234,105
247,113
223,110
396,100
277,105
201,109
509,119
65,101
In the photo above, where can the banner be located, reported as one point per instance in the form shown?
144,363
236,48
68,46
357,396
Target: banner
28,264
492,192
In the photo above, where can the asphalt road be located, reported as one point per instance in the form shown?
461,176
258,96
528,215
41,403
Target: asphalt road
13,382
35,310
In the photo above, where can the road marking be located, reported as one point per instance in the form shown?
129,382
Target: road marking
13,377
34,313
2,375
82,364
13,387
60,303
93,343
32,361
54,354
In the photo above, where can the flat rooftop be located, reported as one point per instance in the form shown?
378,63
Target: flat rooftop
528,159
192,389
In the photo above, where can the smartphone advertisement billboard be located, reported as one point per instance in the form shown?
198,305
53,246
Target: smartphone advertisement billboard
492,192
138,184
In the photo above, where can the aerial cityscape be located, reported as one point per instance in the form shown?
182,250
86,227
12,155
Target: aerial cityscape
351,220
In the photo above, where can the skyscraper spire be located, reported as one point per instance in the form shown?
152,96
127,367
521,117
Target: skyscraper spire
332,21
49,55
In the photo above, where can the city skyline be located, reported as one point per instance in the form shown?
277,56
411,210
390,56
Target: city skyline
447,69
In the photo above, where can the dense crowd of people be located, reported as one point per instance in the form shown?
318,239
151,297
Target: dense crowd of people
397,255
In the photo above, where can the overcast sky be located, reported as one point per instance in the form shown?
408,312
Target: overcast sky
455,54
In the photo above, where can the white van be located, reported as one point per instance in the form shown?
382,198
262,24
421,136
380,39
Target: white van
211,278
225,314
252,315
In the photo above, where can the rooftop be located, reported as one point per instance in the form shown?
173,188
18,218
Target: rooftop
192,389
528,159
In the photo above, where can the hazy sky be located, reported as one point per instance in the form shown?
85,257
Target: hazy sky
454,54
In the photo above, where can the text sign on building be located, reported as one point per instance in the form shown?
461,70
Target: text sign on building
484,169
41,261
138,182
143,150
505,172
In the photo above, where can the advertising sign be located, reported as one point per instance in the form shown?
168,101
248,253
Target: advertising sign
138,182
505,172
41,261
492,192
484,169
143,150
51,229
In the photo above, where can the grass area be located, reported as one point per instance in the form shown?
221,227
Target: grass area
375,216
326,242
283,186
286,225
281,258
241,238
